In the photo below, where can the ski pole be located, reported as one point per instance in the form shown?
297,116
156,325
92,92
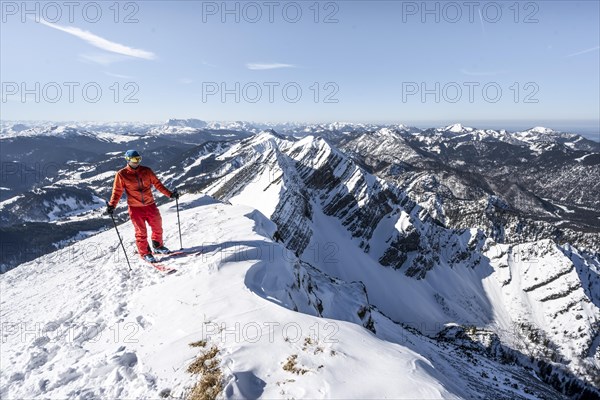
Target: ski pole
178,223
122,245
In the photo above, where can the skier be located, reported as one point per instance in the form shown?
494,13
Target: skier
137,180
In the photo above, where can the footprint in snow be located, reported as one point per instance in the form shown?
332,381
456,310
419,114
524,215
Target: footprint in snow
40,341
37,360
128,359
17,376
121,310
143,322
53,325
89,332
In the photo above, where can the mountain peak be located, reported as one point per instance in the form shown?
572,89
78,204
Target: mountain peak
387,132
457,128
268,134
541,129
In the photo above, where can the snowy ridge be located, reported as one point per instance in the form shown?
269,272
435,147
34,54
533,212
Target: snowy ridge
321,194
387,144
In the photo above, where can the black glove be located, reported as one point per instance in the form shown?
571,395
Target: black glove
175,194
109,209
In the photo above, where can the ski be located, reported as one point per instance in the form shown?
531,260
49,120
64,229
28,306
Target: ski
161,268
176,254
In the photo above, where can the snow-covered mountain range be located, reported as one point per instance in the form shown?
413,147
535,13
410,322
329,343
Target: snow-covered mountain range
446,249
115,130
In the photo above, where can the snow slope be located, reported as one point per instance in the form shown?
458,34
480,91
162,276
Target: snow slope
77,324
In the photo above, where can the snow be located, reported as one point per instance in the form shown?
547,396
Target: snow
69,202
565,209
264,190
9,201
456,128
535,277
78,324
580,159
349,263
117,138
403,222
197,162
541,129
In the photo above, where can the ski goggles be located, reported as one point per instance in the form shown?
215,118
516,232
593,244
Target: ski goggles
135,159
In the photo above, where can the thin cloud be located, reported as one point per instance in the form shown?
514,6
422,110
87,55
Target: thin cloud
259,66
584,51
482,24
102,43
119,75
186,81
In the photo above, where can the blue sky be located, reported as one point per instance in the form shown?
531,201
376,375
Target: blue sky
388,61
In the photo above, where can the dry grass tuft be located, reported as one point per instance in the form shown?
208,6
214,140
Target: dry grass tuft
208,388
199,343
290,365
211,379
204,362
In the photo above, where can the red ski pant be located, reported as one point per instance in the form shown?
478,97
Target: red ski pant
139,216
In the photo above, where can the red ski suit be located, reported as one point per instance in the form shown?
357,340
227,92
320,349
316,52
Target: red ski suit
137,184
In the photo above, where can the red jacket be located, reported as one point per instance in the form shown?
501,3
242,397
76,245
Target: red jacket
137,183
